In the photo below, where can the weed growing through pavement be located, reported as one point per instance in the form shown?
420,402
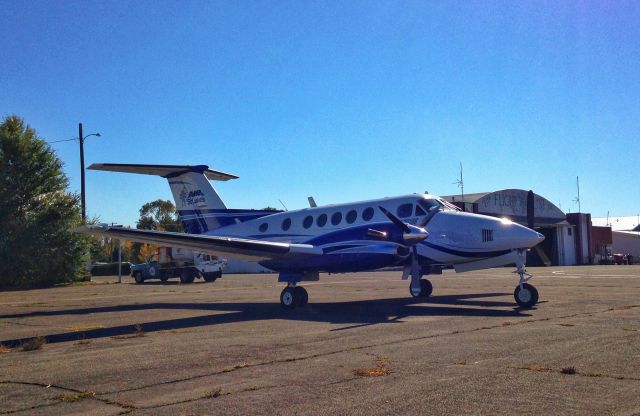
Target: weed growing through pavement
33,344
381,368
74,397
568,370
4,349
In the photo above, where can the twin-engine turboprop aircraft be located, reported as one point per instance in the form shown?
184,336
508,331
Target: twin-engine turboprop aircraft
421,233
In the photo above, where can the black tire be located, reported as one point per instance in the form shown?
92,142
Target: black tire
186,276
426,288
209,277
164,279
137,276
302,295
527,296
288,298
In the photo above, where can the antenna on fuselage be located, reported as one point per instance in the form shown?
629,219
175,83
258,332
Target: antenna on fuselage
282,203
312,202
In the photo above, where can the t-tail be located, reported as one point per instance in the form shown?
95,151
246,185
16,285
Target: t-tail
199,206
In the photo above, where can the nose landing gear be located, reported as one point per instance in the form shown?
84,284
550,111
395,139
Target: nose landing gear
525,294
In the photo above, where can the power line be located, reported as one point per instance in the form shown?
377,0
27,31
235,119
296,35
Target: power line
66,140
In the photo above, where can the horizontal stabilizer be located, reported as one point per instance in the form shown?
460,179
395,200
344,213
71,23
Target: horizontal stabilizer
166,171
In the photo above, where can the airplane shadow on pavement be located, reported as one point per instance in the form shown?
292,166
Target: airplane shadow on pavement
358,313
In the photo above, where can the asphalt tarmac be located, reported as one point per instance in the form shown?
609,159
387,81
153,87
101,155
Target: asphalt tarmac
361,346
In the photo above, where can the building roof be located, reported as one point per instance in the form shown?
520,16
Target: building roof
628,223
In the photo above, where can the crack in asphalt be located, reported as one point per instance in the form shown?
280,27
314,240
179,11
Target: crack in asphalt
126,407
575,373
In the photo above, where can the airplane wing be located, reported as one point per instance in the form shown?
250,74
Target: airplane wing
233,247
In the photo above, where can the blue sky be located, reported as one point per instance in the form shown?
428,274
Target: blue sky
339,100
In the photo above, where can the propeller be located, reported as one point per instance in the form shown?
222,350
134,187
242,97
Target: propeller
411,236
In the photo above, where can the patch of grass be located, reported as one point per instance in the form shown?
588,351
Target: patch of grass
381,368
74,397
213,394
507,323
34,344
568,370
630,329
371,372
79,328
4,349
139,333
83,342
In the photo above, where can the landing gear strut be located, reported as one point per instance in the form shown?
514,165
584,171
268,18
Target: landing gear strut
525,294
293,296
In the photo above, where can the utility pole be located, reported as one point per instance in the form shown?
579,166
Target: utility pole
81,138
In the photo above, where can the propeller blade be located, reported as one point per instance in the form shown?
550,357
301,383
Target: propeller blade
395,220
377,234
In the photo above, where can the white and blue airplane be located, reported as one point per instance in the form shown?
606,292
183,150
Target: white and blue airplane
421,233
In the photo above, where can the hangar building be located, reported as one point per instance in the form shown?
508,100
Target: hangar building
625,234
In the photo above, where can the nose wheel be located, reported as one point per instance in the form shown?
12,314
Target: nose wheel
525,294
293,296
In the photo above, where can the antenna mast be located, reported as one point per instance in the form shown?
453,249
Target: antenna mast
578,197
460,184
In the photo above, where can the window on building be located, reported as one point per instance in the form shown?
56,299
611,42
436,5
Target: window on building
308,220
352,216
263,227
569,231
336,218
367,214
286,224
322,220
405,210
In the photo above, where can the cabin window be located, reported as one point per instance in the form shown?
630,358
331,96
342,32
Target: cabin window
419,211
336,218
308,220
367,214
487,235
405,210
286,224
322,220
264,227
352,216
430,204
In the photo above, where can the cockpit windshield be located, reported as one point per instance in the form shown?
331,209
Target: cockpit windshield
437,204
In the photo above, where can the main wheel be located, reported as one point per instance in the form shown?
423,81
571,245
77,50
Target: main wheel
527,296
301,295
426,288
137,276
164,279
289,298
186,276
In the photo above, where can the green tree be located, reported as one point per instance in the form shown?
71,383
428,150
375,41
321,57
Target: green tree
155,215
36,212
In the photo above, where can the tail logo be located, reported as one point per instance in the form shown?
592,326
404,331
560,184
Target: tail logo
192,197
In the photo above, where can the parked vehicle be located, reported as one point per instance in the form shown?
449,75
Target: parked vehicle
178,262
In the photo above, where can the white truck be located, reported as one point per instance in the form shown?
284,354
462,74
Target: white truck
179,262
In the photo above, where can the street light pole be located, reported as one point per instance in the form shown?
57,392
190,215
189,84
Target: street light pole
81,138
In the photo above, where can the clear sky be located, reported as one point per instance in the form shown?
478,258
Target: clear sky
339,100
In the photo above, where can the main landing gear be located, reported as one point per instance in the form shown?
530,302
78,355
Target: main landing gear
293,296
422,289
525,294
